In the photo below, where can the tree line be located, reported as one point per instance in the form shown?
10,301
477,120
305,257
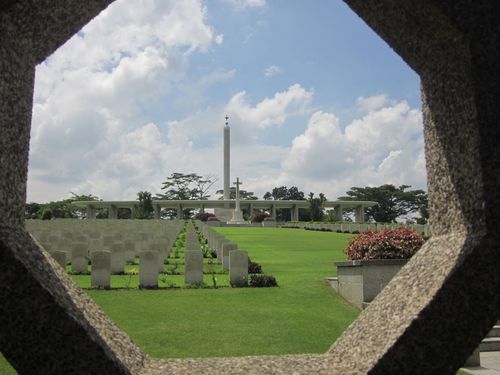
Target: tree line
393,202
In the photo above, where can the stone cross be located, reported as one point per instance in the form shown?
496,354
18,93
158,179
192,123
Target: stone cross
237,183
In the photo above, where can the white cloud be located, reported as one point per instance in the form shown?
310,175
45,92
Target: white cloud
219,39
385,146
194,94
272,70
90,133
91,95
270,111
244,4
372,103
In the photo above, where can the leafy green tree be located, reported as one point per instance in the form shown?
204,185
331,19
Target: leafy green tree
60,209
423,211
244,195
145,207
46,213
392,202
278,193
82,211
124,213
180,186
285,194
294,194
32,210
316,206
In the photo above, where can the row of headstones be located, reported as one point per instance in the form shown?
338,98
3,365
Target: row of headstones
130,240
102,267
79,254
56,234
91,225
107,251
422,229
193,257
233,260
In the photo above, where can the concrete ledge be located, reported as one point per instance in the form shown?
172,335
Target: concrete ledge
370,262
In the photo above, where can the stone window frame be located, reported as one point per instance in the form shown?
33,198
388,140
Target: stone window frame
428,319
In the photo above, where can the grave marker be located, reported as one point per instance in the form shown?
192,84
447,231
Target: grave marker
101,269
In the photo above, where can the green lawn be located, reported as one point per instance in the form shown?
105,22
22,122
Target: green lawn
302,315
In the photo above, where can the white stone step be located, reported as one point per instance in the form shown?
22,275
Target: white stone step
495,331
490,344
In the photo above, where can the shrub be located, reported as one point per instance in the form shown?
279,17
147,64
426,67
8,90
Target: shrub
203,216
262,281
46,214
398,243
258,217
254,267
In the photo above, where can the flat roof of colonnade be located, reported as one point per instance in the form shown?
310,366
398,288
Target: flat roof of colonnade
222,203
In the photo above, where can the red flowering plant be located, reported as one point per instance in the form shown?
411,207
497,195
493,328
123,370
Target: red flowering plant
400,243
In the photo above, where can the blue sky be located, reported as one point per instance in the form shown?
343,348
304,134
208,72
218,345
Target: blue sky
316,99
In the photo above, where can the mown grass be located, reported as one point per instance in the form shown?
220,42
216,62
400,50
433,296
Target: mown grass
302,315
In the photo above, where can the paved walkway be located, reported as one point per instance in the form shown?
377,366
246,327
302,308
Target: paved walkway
490,365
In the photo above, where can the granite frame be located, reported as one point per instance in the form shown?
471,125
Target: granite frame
428,319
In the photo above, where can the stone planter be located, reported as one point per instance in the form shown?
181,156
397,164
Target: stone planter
359,281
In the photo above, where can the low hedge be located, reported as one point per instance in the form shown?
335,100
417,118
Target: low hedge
400,243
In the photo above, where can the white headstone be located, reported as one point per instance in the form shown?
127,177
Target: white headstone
226,248
79,258
101,269
117,258
148,274
129,247
193,269
238,268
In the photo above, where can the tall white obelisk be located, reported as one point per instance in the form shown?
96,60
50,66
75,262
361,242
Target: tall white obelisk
227,141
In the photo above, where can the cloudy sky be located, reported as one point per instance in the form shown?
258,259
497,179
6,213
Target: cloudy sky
315,98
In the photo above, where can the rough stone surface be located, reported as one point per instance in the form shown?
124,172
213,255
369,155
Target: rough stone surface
65,319
437,309
430,317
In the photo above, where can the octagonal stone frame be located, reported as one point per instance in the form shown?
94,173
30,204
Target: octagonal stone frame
427,320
